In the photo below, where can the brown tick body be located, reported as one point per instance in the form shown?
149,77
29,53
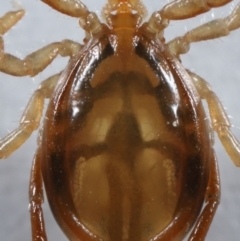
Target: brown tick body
125,151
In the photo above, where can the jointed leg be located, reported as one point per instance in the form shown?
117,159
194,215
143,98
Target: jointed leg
30,119
181,9
75,8
212,199
220,121
213,29
36,200
35,62
6,22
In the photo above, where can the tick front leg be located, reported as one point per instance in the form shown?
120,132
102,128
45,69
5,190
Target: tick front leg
33,63
212,199
30,119
182,9
219,118
211,30
6,22
75,8
36,200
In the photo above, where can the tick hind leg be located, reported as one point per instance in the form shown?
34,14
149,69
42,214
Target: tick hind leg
30,119
212,200
219,118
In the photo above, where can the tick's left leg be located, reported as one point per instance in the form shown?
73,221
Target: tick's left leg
212,199
219,118
211,30
36,200
30,119
37,61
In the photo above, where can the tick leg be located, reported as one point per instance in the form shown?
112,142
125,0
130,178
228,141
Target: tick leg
211,30
183,9
75,8
212,199
6,22
36,62
36,200
219,118
30,119
9,20
180,9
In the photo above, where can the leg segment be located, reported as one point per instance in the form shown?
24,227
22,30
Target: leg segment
211,30
6,22
219,118
35,62
212,200
30,119
181,9
36,200
75,8
9,20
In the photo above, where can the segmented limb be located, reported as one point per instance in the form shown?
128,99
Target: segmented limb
180,9
36,200
219,118
75,8
36,61
31,65
30,119
6,22
211,30
212,200
183,9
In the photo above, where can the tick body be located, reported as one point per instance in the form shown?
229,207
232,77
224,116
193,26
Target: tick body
125,151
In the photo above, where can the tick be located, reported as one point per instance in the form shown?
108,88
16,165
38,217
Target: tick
125,150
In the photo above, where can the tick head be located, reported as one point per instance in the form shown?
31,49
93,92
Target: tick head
124,13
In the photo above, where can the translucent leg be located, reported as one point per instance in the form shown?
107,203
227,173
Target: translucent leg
183,9
35,62
36,200
211,30
75,8
219,118
180,9
6,22
30,119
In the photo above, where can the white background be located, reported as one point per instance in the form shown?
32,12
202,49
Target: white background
218,61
